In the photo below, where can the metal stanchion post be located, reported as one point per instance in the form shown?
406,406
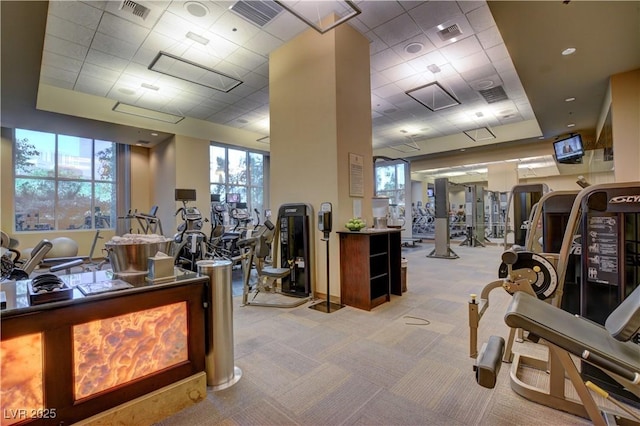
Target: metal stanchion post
219,362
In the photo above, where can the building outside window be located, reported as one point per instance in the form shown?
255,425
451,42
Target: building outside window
238,176
390,182
63,182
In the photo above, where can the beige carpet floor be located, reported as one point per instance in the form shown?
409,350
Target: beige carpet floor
404,363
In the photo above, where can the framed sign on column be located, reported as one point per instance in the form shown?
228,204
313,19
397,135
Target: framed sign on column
356,175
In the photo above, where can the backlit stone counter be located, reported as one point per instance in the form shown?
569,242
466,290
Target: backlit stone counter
69,360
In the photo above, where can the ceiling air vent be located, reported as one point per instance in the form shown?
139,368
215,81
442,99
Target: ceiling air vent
452,31
135,9
494,94
258,12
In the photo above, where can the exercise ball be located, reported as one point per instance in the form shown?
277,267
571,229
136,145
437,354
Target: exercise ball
63,247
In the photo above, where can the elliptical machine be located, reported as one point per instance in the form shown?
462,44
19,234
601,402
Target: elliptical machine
190,240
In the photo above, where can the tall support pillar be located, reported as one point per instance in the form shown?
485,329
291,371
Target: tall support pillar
443,248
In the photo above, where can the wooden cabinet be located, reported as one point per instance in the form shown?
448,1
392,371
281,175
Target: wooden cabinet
370,267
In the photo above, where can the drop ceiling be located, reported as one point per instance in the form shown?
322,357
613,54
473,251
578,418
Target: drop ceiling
445,75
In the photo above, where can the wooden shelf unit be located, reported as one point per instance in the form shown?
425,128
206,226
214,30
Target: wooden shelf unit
370,270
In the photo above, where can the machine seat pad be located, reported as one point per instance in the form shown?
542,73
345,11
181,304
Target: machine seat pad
569,332
624,322
275,272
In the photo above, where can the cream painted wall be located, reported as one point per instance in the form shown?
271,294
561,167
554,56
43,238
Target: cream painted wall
320,112
501,177
625,114
162,166
140,180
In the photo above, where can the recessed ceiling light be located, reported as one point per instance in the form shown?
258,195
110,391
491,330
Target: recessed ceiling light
197,38
484,84
569,51
150,86
138,144
541,137
154,134
571,125
570,99
413,48
462,150
196,9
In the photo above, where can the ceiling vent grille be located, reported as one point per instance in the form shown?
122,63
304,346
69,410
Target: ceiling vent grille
494,94
258,12
135,9
452,31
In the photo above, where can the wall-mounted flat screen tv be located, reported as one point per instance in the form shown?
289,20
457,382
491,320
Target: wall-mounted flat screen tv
569,150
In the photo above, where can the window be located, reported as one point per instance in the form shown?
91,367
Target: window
63,182
237,176
390,182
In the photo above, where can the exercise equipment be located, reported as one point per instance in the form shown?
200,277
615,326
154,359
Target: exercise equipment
474,216
148,223
521,200
607,216
442,249
255,252
294,233
190,240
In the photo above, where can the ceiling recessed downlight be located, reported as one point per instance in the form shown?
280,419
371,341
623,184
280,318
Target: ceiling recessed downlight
569,51
570,99
196,9
413,48
571,125
126,91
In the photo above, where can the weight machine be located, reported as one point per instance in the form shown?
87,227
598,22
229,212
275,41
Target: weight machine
607,217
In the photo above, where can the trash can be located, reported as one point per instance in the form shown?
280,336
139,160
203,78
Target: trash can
219,362
403,264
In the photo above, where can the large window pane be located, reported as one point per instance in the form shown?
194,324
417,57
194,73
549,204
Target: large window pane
34,208
74,157
217,165
34,153
105,207
256,169
74,205
241,191
237,167
220,190
105,161
257,201
385,178
63,182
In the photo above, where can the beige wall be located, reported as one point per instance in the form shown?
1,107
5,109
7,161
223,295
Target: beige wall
320,112
625,114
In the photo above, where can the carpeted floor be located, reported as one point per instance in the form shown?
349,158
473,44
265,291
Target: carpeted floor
404,363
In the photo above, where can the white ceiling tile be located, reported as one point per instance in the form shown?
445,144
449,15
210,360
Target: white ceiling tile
93,86
156,9
469,63
69,31
58,61
243,90
461,49
44,79
497,53
480,73
358,25
385,59
232,70
378,79
59,74
255,80
421,63
172,26
489,37
375,44
122,29
397,30
285,26
375,13
65,48
107,61
246,58
234,28
263,44
200,112
468,5
399,72
401,48
94,71
481,19
81,13
179,8
433,13
113,46
387,91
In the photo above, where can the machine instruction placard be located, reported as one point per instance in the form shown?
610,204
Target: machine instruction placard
602,249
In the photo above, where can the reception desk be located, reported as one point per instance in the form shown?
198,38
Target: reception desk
68,360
